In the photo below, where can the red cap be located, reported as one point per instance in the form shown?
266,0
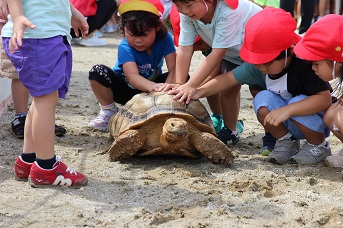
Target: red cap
151,6
232,3
323,40
267,34
175,23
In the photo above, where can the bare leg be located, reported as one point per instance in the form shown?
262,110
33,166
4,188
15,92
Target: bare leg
334,115
230,102
103,94
276,131
311,136
214,101
42,121
215,104
20,96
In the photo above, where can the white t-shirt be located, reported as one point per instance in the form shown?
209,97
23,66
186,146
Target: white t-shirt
225,31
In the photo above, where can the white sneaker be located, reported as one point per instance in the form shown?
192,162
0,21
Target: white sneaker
93,42
98,34
111,29
101,121
76,41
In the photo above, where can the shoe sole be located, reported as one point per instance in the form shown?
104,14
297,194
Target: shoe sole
99,128
274,161
56,186
21,178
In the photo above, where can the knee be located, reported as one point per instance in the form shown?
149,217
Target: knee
328,118
97,71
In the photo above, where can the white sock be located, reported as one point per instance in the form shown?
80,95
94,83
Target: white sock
286,136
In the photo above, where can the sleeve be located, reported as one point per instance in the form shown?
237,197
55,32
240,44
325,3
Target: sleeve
125,54
188,32
250,75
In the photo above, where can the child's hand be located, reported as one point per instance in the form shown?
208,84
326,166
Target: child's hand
184,92
168,86
276,117
3,10
19,25
78,21
158,87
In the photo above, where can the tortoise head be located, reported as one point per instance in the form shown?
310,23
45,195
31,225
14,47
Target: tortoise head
175,129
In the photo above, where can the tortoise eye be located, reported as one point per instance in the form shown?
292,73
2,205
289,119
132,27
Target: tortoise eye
172,124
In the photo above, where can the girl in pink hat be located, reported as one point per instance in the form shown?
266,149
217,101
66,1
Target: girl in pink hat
323,45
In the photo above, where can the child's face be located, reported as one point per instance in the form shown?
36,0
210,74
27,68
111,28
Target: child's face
141,43
272,67
194,9
323,69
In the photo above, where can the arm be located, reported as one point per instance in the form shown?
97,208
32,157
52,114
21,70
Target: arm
78,21
207,66
20,23
135,79
171,62
3,10
183,62
212,87
203,72
311,105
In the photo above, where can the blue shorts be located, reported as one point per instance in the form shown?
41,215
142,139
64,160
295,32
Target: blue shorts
43,65
273,101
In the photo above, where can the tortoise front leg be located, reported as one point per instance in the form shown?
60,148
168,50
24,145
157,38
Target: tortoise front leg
211,147
126,145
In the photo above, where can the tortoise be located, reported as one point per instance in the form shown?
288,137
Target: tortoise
155,124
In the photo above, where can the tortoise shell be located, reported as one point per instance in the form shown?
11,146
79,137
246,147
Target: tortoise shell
144,108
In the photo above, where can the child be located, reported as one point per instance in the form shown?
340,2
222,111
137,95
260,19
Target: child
323,45
200,45
221,25
40,51
20,94
292,105
140,59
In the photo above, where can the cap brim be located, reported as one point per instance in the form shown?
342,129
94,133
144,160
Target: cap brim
302,52
137,6
256,58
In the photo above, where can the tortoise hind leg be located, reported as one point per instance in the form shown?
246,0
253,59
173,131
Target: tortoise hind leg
126,145
211,147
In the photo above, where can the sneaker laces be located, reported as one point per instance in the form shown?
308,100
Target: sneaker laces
71,171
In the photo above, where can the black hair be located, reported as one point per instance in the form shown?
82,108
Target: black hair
282,54
139,22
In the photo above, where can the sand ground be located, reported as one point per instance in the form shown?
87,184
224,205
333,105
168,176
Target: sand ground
163,192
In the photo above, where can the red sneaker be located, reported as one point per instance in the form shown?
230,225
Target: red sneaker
59,175
22,169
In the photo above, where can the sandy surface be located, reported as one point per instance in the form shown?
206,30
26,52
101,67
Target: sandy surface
163,192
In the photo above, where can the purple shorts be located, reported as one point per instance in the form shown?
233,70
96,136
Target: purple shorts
43,65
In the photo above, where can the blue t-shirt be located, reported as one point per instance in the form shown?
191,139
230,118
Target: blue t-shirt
149,65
